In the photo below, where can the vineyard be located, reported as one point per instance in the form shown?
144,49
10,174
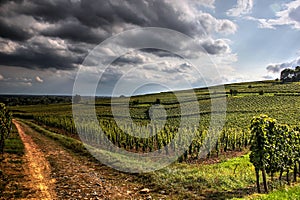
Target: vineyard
234,136
274,146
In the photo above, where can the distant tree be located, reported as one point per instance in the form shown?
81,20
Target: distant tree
261,92
76,99
290,75
135,102
233,92
157,101
45,101
249,86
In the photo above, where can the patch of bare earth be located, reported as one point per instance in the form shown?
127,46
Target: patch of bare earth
13,179
37,167
61,174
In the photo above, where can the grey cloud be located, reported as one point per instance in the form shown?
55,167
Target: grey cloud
150,67
95,13
12,32
79,48
268,77
159,52
76,32
50,11
110,76
218,46
185,66
177,69
212,24
288,15
82,24
295,14
141,13
129,59
22,80
170,67
226,27
275,68
243,7
39,56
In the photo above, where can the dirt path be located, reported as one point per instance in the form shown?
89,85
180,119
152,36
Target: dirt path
60,174
38,168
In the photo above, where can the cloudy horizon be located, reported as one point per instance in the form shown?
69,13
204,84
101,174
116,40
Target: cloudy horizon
44,43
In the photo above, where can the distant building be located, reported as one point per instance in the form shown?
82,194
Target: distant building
290,75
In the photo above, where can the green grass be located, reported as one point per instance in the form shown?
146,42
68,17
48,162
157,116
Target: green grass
292,193
212,181
14,144
286,193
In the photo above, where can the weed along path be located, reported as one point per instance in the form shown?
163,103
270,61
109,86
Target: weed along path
60,174
38,168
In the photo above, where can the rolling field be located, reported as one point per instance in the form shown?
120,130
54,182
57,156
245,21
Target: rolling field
224,173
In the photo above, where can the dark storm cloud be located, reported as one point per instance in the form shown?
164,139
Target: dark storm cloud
49,11
76,32
104,13
39,57
12,32
95,13
81,24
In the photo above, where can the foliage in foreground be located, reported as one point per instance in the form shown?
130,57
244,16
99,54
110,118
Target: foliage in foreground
5,125
275,148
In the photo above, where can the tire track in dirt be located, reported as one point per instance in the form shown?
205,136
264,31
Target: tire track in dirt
38,167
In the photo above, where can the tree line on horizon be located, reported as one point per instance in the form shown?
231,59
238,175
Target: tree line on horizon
290,75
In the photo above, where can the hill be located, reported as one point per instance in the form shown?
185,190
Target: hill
224,177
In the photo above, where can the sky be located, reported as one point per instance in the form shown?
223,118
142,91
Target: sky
45,44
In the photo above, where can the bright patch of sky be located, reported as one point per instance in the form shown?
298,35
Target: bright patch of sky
258,46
